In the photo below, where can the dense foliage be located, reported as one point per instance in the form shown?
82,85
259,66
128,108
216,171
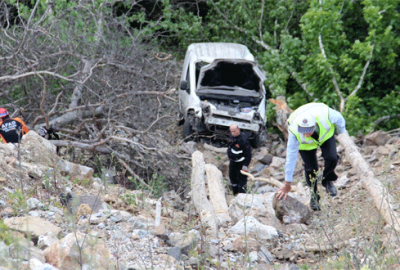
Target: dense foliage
343,53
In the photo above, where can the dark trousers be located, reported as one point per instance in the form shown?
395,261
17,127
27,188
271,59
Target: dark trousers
331,158
238,180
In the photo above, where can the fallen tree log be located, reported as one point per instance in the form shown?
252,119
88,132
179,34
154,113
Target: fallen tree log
373,185
270,181
217,194
199,195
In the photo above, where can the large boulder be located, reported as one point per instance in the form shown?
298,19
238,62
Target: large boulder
377,138
251,226
291,211
76,172
38,150
33,226
91,252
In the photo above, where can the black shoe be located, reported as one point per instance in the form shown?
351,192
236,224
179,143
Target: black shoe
314,204
330,188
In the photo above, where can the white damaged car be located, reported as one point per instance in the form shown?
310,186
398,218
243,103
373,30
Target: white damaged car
221,84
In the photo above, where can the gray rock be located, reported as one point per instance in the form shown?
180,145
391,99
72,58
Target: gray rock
46,240
175,252
291,211
4,253
254,228
189,147
25,251
35,264
342,182
253,256
267,159
186,242
289,267
278,163
34,213
33,203
173,199
257,168
266,255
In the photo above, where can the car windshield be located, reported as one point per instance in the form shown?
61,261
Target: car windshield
230,76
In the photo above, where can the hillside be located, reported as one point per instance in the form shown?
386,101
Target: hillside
118,231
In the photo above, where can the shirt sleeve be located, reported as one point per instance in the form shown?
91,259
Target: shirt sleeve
337,119
246,153
292,152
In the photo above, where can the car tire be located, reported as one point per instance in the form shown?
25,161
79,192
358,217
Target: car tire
259,139
187,128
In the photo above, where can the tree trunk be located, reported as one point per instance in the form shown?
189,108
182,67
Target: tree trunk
202,204
217,194
373,185
282,112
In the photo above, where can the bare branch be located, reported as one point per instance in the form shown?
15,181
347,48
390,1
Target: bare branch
46,117
302,85
362,75
16,77
384,118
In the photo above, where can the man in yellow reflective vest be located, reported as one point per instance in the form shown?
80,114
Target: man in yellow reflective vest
311,126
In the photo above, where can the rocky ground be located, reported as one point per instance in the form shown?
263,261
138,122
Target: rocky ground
106,226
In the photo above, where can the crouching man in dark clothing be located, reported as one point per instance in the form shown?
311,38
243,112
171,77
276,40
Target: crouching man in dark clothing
11,129
239,153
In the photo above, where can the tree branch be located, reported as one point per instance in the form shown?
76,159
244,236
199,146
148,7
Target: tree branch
335,84
362,75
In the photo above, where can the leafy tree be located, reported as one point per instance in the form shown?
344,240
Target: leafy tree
342,53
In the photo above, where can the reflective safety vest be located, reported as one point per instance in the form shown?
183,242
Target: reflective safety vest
321,113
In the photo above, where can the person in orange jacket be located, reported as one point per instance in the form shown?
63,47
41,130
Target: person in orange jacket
11,129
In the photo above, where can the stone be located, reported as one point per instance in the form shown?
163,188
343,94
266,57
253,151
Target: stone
25,250
161,232
267,159
253,256
7,212
94,254
262,151
175,252
278,163
140,222
377,138
46,240
251,226
76,172
266,255
35,264
289,267
186,242
173,199
252,205
32,226
33,203
189,147
290,210
74,201
40,150
4,253
244,244
381,151
342,182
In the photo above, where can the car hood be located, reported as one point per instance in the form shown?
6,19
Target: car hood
231,74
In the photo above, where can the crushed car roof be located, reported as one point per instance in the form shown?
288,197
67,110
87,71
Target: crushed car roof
210,51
